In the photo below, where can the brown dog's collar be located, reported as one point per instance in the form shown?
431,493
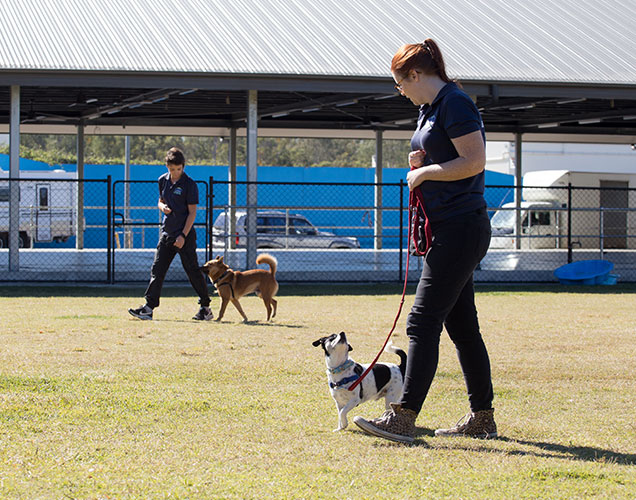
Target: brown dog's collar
221,277
229,283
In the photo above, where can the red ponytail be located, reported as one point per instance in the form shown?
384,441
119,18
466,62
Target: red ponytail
425,57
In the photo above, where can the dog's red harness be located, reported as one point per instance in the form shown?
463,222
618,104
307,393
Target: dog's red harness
417,221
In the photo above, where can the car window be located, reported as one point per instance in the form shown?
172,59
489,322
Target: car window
302,226
540,218
277,224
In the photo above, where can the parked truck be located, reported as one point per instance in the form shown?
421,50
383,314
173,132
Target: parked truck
47,206
603,217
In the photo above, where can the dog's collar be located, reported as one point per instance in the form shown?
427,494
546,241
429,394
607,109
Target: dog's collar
221,277
344,381
347,364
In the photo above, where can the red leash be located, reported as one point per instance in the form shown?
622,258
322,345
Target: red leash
415,200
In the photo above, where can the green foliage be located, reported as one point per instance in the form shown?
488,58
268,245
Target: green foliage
300,152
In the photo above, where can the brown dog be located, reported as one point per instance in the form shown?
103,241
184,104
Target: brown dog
232,285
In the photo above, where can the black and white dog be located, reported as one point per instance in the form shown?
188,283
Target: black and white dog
385,379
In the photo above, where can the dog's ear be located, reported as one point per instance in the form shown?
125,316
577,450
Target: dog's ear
318,342
350,348
220,257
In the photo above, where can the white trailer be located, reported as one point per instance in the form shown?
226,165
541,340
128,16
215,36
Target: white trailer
47,206
601,218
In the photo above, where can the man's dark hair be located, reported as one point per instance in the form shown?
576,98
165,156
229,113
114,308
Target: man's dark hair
175,156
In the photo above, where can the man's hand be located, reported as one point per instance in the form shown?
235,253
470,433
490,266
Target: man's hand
180,241
165,208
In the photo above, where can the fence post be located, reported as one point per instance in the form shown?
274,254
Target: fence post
210,231
109,230
569,222
401,227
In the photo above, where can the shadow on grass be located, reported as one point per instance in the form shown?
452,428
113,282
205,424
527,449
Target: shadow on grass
543,450
584,453
227,322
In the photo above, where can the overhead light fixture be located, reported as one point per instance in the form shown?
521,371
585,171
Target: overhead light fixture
113,111
91,100
403,122
348,103
591,120
570,101
139,104
548,125
382,97
309,110
186,92
278,115
93,116
159,99
525,106
633,117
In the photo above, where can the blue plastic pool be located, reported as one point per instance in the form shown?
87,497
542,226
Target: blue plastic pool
584,272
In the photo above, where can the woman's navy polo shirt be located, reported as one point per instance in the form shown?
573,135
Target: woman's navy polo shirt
452,114
177,196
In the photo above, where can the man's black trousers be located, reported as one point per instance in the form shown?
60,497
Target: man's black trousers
165,254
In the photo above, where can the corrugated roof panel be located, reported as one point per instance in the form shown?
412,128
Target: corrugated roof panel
506,40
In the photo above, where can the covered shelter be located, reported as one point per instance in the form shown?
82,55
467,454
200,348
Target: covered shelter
561,70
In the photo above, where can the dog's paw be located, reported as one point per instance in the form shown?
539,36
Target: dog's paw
338,429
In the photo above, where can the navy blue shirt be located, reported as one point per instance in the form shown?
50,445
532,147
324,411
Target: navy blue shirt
177,196
452,114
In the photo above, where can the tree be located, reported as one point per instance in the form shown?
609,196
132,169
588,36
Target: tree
300,152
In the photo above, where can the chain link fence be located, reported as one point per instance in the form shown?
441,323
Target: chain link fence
137,228
60,237
334,232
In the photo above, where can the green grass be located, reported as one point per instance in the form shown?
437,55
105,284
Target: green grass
95,404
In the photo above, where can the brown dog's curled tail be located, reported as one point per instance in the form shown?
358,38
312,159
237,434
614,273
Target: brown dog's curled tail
266,258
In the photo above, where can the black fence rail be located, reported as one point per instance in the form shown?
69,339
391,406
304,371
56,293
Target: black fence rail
353,232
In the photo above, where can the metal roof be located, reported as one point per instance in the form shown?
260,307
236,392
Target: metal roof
567,41
545,68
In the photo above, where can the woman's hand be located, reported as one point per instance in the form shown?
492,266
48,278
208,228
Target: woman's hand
415,177
416,158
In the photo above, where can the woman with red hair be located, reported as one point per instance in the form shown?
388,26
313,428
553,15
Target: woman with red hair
447,168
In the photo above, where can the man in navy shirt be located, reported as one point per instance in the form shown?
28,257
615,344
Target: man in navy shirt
178,200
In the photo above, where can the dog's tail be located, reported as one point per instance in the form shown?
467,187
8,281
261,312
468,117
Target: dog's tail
268,259
396,350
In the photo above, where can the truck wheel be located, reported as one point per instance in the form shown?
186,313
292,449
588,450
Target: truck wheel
25,241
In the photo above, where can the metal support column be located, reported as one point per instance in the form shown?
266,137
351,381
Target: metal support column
79,221
231,194
518,180
252,138
377,211
14,173
127,229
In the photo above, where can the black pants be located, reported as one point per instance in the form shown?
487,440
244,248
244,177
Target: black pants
445,297
164,256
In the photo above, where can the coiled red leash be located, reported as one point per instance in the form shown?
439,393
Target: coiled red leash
415,202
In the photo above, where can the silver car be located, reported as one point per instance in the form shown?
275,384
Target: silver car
277,229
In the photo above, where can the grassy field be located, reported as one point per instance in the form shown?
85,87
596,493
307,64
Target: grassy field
95,404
